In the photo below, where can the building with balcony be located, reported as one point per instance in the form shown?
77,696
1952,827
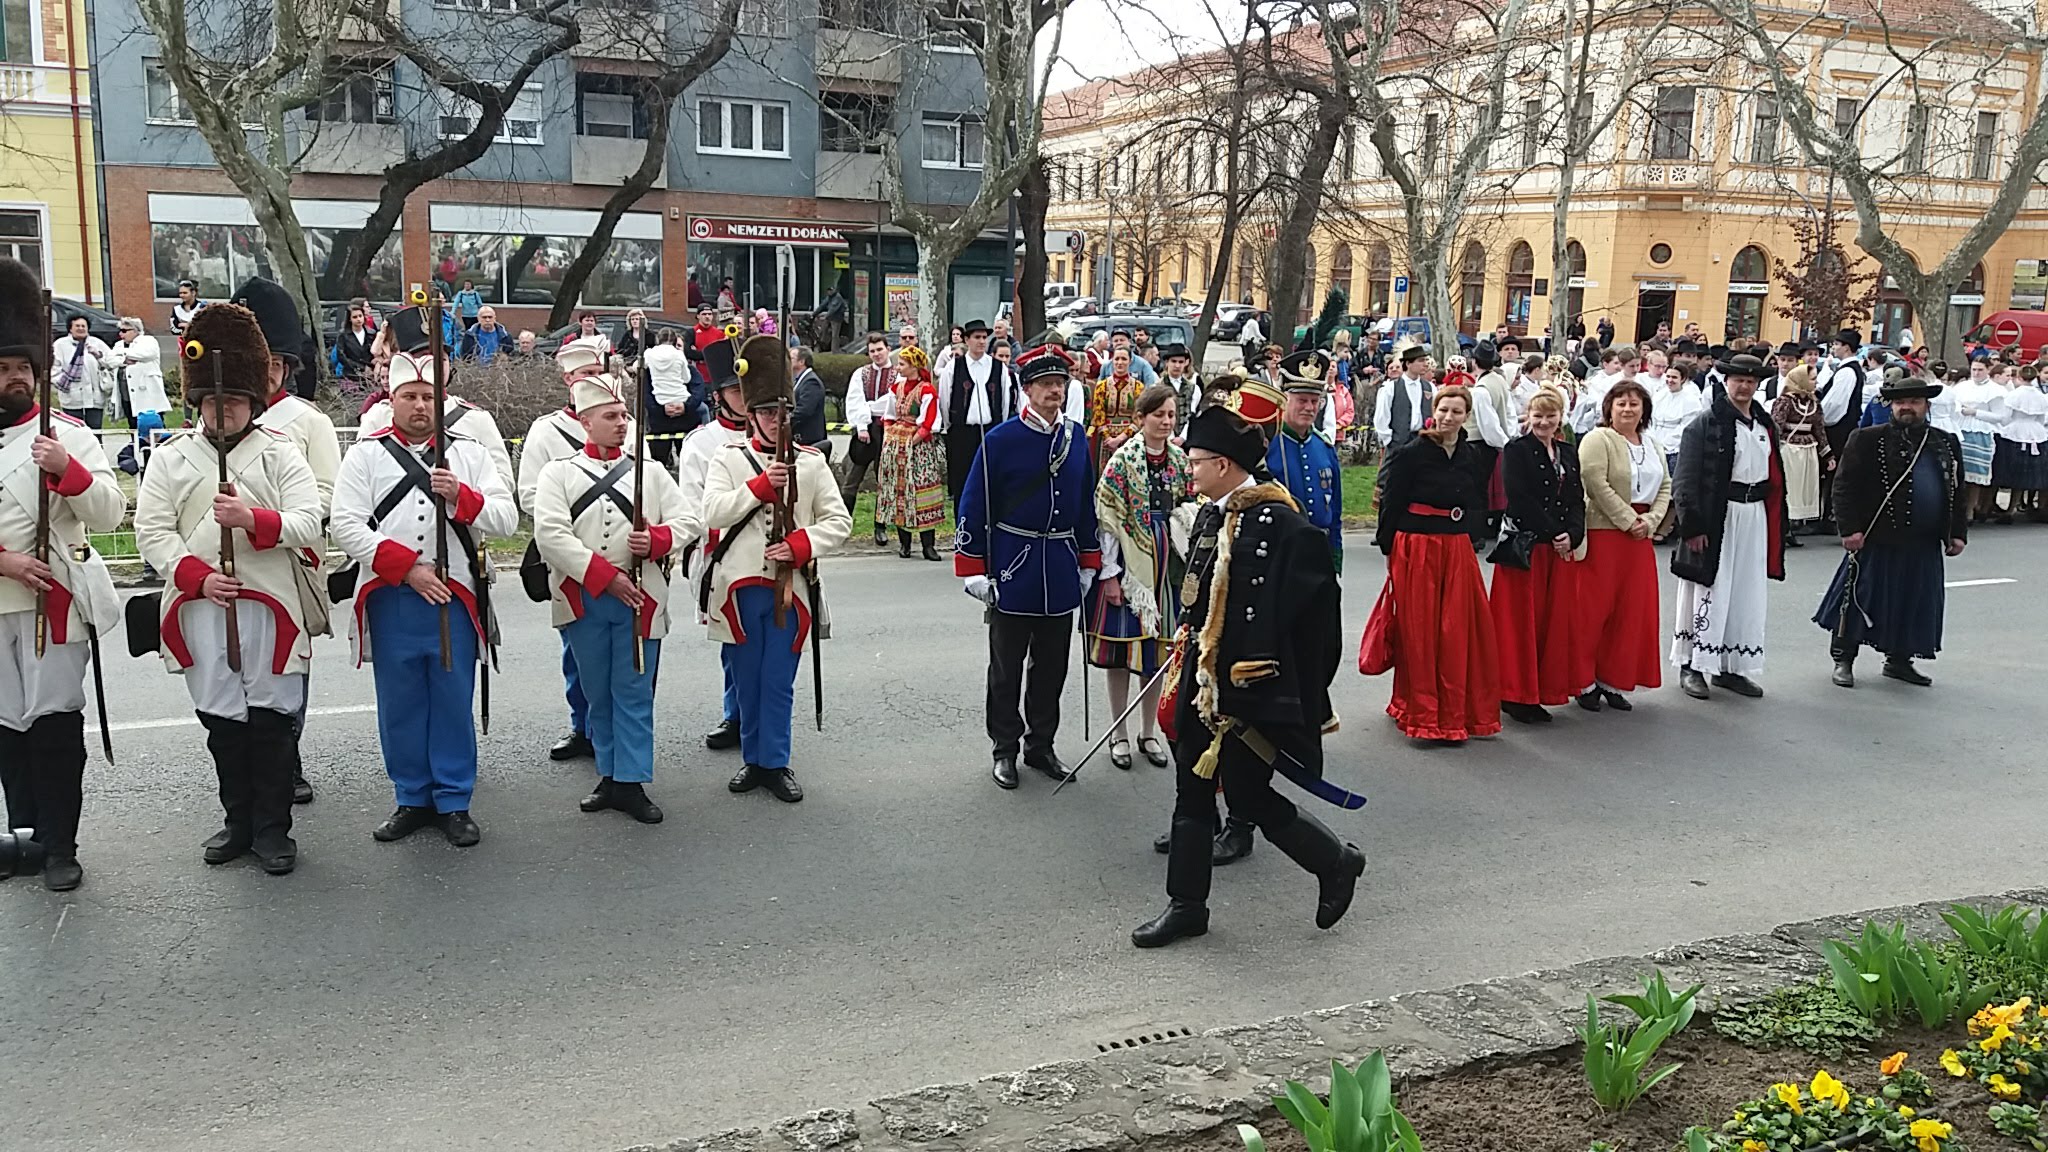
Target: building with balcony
775,145
1682,210
49,200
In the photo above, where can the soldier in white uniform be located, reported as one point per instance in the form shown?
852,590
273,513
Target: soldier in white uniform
272,505
704,442
42,699
460,415
611,589
553,436
384,518
306,426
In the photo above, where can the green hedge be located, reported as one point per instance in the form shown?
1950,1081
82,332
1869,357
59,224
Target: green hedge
836,369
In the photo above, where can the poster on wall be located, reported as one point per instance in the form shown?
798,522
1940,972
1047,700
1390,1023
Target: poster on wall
860,301
2030,285
901,298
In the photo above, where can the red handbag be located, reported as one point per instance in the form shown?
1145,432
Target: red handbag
1376,647
1169,695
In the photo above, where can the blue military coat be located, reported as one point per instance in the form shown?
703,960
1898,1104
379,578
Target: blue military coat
1313,475
1027,517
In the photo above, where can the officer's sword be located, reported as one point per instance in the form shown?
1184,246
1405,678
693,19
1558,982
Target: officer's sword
1113,725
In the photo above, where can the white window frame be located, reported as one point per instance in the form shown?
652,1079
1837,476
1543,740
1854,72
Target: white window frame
959,162
152,64
769,18
35,44
384,77
447,104
602,100
41,212
726,104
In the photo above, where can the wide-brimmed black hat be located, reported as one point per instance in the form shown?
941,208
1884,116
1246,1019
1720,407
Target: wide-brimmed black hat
1788,348
1485,355
277,314
1171,350
1219,430
1413,353
1850,337
973,326
1900,384
21,316
1743,365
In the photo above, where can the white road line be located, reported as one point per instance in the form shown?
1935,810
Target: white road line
193,721
1980,583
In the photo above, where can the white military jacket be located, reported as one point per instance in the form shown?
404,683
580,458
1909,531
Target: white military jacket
584,548
176,533
87,498
555,435
458,416
736,484
312,433
385,547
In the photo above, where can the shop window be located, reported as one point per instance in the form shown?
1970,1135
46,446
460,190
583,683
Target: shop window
953,142
527,270
610,106
165,104
854,121
742,127
218,257
521,125
21,237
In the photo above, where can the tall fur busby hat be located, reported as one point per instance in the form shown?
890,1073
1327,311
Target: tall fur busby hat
764,373
23,331
226,339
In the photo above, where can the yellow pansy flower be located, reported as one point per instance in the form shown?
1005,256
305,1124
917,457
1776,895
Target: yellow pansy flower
1996,1040
2023,1068
2001,1087
1754,1146
1930,1134
1953,1063
1789,1096
1827,1089
1892,1063
1905,1113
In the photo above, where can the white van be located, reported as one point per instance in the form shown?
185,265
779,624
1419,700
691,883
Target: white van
1057,290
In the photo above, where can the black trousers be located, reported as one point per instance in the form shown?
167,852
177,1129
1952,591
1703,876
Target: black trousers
861,459
961,445
1248,789
1027,658
42,772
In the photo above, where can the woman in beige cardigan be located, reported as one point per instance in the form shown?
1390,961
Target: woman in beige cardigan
1627,492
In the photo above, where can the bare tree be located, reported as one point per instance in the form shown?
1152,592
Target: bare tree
1320,87
1824,291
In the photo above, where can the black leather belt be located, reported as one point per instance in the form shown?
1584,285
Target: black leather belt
1748,493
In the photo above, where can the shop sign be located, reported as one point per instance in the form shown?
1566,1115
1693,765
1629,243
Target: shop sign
1739,289
717,229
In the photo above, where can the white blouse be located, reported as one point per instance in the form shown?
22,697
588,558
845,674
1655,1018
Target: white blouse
1977,406
1645,471
2026,415
1671,411
1944,413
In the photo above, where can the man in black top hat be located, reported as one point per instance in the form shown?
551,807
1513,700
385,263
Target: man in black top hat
1178,373
975,396
1899,499
1256,655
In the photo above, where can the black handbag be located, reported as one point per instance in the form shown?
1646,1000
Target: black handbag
144,616
533,575
1514,550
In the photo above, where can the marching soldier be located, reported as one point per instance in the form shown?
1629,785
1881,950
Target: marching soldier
1300,459
410,332
42,694
1253,694
228,550
385,513
700,447
611,590
308,429
765,639
554,436
1027,548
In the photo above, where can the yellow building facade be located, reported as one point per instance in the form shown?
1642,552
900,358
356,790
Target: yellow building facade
1681,213
49,216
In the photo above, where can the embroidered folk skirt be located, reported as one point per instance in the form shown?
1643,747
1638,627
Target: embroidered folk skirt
2019,466
1446,662
1534,628
1618,604
1979,453
910,488
1721,628
1888,597
1802,480
1116,635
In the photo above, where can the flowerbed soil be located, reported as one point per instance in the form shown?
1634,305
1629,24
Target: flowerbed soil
1541,1104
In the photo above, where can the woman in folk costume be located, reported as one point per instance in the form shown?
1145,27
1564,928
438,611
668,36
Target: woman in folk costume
1536,587
1802,444
1133,606
1446,660
910,489
610,588
1628,492
270,506
1113,412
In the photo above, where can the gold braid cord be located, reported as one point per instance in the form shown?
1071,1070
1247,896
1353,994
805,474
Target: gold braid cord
1211,636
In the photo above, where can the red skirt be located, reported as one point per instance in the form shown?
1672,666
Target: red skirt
1535,618
1618,605
1446,669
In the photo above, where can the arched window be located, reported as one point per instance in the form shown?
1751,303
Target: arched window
1340,275
1521,287
1379,276
1201,281
1749,286
1472,296
1575,289
1893,315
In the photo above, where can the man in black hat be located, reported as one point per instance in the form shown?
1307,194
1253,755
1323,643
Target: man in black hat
975,395
1257,652
1404,402
1899,496
1178,366
1841,391
306,426
1730,496
409,332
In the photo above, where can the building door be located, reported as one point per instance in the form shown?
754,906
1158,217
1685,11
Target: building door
1654,306
1889,319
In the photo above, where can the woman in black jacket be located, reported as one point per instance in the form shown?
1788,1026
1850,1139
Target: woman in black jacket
357,358
1534,606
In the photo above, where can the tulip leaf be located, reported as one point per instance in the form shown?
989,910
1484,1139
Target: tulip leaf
1253,1142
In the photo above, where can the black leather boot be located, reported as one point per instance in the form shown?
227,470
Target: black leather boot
903,543
273,765
57,753
1336,864
1180,921
1232,844
14,779
227,741
1187,886
928,539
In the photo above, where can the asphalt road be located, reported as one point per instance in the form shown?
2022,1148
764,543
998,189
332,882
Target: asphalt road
582,982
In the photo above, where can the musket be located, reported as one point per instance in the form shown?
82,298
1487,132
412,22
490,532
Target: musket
785,454
42,544
194,351
430,316
639,510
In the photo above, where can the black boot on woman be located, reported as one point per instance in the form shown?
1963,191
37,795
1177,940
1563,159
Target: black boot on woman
929,539
903,543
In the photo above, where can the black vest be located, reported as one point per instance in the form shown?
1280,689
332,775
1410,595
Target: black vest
1838,432
963,385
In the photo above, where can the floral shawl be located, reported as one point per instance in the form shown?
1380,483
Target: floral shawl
1121,496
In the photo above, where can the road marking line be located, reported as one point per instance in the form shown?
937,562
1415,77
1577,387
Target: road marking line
193,721
1980,583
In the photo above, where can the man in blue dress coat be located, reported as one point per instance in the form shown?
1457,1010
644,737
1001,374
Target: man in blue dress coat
1300,458
1027,549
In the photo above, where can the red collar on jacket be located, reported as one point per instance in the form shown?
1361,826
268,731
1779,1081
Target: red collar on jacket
34,410
400,436
595,452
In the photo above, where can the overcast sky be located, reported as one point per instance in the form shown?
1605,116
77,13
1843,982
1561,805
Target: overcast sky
1112,37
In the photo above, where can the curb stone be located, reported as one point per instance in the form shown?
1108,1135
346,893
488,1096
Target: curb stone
1182,1088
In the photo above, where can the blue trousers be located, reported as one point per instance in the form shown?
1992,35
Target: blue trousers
763,677
621,708
730,701
424,723
579,704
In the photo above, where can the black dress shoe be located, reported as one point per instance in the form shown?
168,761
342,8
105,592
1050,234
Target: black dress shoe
302,792
1739,684
461,830
931,551
781,784
1232,844
745,780
1525,713
1179,922
574,746
278,856
726,735
227,844
1337,887
402,823
62,873
1694,684
1005,772
1794,542
1617,701
882,537
600,797
632,799
1903,670
1590,700
1048,764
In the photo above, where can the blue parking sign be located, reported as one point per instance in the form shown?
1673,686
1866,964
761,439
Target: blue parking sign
1400,283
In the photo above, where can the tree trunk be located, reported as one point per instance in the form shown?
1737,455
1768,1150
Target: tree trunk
1560,258
935,256
1931,326
1212,296
1290,249
1427,283
653,161
1034,200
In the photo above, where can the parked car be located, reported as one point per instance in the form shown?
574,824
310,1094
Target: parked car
1071,306
99,321
1057,290
1162,330
1230,320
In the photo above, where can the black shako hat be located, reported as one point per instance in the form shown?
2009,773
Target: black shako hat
1743,365
21,316
1219,430
410,332
719,357
277,314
